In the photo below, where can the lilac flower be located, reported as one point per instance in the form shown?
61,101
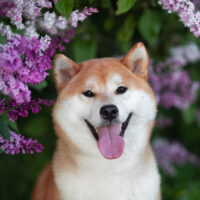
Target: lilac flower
58,42
181,55
18,144
175,86
51,23
186,11
168,154
17,9
5,30
22,61
15,110
77,16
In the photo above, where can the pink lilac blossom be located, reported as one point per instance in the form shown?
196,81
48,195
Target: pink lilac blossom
31,11
15,110
181,55
31,31
22,61
5,30
186,11
77,16
51,23
17,9
170,154
175,88
17,144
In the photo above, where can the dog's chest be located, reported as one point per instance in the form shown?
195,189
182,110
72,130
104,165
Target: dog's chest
96,187
92,185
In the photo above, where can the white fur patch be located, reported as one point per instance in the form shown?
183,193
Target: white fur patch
137,54
126,178
61,64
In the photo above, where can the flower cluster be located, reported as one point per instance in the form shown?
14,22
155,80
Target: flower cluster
15,110
17,144
51,23
77,16
175,86
168,154
17,9
23,61
186,11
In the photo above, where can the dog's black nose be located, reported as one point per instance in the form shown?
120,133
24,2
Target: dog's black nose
109,112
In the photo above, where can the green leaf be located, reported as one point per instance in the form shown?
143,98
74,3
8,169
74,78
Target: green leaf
64,7
106,4
124,6
12,125
126,31
1,151
2,39
39,86
189,115
149,26
84,49
36,126
4,130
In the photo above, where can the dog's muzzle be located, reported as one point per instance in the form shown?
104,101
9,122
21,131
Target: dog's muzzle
110,137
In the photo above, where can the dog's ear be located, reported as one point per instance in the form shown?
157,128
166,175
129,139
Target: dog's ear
63,70
137,60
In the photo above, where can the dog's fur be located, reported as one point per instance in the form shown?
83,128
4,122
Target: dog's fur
78,171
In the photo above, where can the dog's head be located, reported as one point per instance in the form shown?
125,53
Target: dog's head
105,105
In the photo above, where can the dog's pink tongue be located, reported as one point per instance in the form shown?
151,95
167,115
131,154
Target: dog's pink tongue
110,143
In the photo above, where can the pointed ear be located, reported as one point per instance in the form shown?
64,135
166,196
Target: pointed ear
63,70
137,60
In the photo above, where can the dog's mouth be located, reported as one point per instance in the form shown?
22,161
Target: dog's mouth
110,138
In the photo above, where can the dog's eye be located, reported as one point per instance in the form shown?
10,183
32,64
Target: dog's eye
88,93
121,90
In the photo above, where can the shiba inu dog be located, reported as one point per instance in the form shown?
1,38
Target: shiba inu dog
103,116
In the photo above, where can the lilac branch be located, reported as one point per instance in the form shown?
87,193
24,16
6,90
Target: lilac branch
17,144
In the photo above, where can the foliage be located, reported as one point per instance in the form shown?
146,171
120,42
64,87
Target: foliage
112,32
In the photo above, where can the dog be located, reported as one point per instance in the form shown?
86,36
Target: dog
103,116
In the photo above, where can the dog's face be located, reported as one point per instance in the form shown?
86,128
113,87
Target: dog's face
105,105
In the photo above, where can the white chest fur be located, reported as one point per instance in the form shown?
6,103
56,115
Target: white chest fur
97,180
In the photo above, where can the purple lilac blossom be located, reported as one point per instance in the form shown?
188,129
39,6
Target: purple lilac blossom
77,16
168,154
187,13
175,88
31,11
17,9
23,61
17,144
15,110
5,31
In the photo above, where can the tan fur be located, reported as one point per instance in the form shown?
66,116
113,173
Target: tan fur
64,156
101,69
45,188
